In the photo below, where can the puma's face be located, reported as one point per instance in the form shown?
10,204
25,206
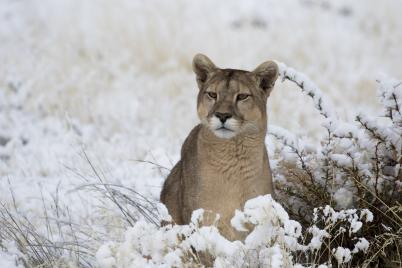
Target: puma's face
232,102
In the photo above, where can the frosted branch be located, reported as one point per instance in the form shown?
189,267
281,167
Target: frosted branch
309,88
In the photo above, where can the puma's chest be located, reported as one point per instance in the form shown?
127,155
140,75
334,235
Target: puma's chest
227,180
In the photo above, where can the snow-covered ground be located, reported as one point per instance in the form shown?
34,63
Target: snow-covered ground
112,80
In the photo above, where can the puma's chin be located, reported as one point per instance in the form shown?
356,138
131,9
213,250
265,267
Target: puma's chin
224,133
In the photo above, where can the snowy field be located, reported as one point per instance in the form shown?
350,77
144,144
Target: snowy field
109,83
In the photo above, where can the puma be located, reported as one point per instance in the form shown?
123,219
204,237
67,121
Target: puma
224,160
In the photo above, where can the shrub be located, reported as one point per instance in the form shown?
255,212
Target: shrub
356,165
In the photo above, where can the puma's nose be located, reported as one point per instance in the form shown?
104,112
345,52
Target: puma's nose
223,116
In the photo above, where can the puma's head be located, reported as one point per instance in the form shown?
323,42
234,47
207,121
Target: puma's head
232,102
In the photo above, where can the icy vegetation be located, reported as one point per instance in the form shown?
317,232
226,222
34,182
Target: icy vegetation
96,98
273,239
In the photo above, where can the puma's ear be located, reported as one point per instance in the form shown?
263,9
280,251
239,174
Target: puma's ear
203,67
267,73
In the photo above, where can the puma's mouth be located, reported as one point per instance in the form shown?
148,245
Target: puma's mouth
224,128
224,133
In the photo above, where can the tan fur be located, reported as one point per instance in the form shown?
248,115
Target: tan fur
221,168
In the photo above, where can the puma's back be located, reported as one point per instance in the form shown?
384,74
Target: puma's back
224,160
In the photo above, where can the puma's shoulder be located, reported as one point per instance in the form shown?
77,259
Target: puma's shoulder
190,143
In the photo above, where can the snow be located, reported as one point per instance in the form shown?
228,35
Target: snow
10,255
342,160
271,257
342,255
367,214
318,236
352,216
361,245
343,198
104,256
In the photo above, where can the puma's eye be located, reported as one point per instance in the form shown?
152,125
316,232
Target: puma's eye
212,95
242,97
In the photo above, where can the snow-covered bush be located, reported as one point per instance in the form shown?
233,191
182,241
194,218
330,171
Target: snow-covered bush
194,244
357,165
274,240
